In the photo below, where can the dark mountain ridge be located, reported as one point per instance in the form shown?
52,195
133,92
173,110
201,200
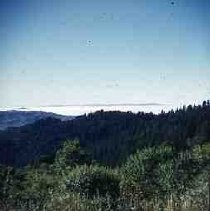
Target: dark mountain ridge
111,136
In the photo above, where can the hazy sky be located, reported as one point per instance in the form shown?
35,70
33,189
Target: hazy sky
104,51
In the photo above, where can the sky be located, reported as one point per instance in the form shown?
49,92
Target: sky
69,52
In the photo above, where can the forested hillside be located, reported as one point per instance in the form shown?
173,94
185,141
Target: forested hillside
110,136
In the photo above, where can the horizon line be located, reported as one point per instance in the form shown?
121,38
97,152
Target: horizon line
86,105
104,104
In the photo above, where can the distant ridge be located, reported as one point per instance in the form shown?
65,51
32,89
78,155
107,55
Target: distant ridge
17,118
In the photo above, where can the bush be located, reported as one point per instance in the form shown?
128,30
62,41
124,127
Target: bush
70,156
93,181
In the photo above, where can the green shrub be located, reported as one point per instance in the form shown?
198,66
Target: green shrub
93,181
70,156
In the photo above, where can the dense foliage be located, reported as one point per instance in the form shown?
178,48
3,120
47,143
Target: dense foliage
110,136
151,179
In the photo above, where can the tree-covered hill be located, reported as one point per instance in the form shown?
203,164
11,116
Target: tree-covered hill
110,136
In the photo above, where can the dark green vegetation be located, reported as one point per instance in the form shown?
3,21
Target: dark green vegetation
122,161
110,136
155,178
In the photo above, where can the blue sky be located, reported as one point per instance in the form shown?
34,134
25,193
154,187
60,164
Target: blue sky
113,51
